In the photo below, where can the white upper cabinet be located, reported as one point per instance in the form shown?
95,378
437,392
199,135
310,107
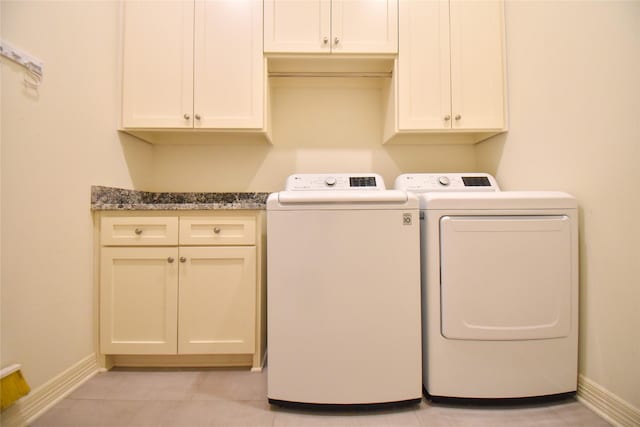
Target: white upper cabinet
331,26
477,64
450,73
297,25
424,72
192,64
228,64
157,78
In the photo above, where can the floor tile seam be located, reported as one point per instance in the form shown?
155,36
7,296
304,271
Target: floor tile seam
190,399
416,415
108,399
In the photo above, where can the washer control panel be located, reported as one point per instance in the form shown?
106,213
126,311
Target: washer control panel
429,182
336,181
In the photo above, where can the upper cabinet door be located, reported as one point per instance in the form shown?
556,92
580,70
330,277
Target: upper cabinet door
477,64
451,66
364,26
324,26
228,64
157,78
424,82
297,26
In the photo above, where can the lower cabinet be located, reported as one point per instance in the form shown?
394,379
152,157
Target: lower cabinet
216,300
163,294
139,300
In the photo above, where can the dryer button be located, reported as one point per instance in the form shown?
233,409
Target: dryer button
443,180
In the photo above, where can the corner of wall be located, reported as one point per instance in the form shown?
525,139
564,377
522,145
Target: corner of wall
36,403
606,404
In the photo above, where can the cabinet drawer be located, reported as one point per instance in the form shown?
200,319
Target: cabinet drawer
219,230
139,231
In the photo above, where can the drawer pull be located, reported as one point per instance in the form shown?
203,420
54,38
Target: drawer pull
138,231
170,260
216,230
183,259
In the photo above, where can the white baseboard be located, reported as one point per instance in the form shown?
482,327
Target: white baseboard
31,406
606,404
262,364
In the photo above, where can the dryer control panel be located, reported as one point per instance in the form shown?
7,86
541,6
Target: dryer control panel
336,181
430,182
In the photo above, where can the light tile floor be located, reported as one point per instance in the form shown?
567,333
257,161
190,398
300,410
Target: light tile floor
237,397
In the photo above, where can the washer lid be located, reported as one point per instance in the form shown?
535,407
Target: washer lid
339,191
342,200
499,200
386,196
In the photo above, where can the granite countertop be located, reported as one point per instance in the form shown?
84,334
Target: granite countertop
110,198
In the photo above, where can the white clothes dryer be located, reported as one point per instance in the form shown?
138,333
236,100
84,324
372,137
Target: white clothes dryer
499,288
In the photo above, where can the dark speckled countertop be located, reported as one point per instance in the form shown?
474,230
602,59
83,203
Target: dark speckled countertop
109,198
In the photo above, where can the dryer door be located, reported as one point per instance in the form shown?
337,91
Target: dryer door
506,277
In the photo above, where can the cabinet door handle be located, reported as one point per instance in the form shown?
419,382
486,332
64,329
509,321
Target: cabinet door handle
325,40
186,116
183,259
216,230
197,116
336,40
458,117
138,231
447,117
170,260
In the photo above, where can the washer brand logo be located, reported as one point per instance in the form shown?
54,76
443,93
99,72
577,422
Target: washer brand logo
407,219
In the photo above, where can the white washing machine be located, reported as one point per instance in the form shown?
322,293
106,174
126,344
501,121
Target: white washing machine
343,292
499,288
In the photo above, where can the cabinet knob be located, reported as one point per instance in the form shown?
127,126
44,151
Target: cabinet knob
186,116
447,117
216,230
183,259
170,260
138,231
458,117
336,40
197,116
325,40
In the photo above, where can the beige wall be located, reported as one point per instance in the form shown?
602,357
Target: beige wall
56,142
574,94
319,125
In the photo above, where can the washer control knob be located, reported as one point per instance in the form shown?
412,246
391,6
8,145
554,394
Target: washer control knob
443,180
331,181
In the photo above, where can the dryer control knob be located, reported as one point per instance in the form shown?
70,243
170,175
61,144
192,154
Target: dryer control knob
331,181
443,180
